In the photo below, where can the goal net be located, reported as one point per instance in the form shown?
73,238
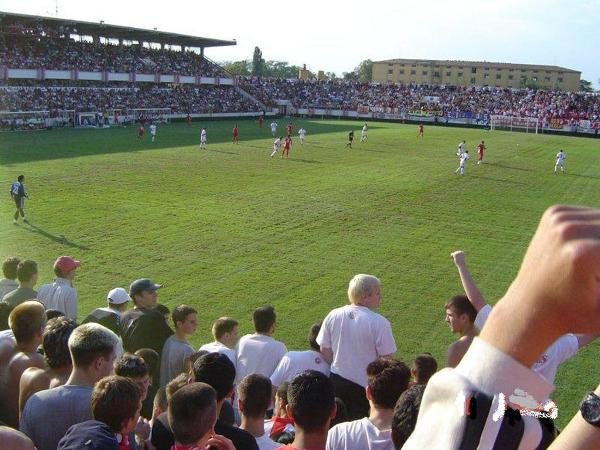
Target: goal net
527,124
159,115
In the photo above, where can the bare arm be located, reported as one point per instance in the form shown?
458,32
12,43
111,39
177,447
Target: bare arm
456,351
578,434
327,354
471,290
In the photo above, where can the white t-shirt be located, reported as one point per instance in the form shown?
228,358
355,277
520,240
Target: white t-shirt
203,136
357,336
302,133
365,130
359,434
266,443
277,144
461,148
464,158
560,157
273,126
258,353
218,347
561,350
152,129
294,363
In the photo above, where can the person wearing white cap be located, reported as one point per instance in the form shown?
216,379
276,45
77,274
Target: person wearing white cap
110,317
61,295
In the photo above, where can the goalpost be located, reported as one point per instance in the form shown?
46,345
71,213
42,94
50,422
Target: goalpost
160,115
514,122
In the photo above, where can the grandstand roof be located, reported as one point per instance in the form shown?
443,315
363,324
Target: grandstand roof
113,31
474,63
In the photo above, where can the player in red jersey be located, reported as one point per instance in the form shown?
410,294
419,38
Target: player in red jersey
480,149
236,134
141,131
290,129
189,119
421,129
287,144
261,120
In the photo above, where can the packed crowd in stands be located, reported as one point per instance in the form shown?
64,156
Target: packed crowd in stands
128,378
63,53
181,99
446,100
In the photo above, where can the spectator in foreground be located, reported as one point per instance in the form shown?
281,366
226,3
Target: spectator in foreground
225,330
48,414
55,343
388,378
423,368
143,326
27,274
61,295
353,336
177,347
14,440
311,406
152,360
460,316
259,352
9,282
406,412
192,415
280,428
27,321
162,437
115,405
110,316
255,399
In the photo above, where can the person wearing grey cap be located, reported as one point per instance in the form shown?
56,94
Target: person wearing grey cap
143,326
110,317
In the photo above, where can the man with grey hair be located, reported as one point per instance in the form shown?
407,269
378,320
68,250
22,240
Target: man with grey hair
353,336
48,414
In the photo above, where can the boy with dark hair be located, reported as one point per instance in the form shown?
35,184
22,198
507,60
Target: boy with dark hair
296,362
134,367
280,427
424,367
27,274
49,414
406,412
61,295
177,347
152,360
225,330
311,406
192,415
9,270
259,352
388,378
27,322
254,400
55,343
460,316
115,405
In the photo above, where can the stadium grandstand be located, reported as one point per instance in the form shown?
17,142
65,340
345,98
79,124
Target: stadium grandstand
59,72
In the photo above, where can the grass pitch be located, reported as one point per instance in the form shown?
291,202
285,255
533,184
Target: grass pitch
229,228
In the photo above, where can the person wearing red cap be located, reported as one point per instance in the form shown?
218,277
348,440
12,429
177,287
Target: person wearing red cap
61,295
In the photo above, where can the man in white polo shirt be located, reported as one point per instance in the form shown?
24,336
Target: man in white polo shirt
259,352
353,336
61,295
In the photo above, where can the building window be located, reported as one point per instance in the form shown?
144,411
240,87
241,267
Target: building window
547,79
414,65
473,69
486,75
472,80
498,76
425,72
535,71
486,68
436,74
460,67
511,70
460,74
413,72
560,80
510,77
547,71
390,71
448,74
401,71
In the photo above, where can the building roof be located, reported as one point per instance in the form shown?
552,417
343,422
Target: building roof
113,31
475,63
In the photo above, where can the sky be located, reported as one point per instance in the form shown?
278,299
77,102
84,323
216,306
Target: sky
335,36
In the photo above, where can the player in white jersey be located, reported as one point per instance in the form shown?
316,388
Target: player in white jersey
203,138
463,162
302,134
560,161
276,146
273,128
153,131
364,134
461,149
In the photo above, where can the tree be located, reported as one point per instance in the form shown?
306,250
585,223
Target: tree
258,63
350,76
585,86
331,75
364,71
280,69
237,67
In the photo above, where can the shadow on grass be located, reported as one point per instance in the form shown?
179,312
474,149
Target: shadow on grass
595,177
306,161
504,166
221,151
58,239
19,147
498,179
